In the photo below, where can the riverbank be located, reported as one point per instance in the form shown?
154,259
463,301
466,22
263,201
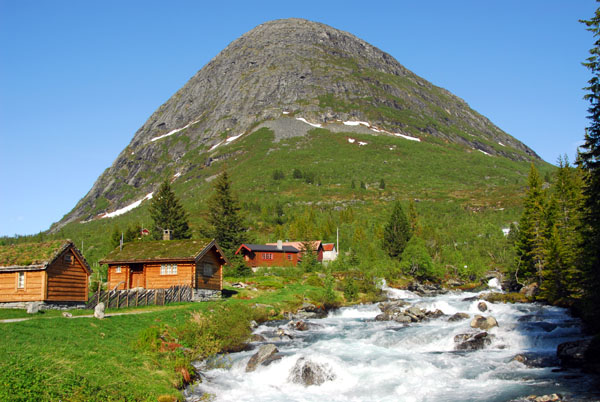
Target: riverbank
87,359
415,349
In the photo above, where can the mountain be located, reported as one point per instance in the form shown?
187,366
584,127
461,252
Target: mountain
307,69
295,95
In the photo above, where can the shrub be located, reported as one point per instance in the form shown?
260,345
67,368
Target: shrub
350,289
416,261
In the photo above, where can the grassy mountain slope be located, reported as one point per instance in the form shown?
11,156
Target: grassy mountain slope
464,197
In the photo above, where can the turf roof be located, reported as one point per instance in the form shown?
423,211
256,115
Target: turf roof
157,250
24,254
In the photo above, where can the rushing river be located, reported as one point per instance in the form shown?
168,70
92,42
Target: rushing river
387,361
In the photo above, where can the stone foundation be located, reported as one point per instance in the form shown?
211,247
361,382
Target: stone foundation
200,295
64,305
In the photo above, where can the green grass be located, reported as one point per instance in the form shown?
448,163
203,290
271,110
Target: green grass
119,358
464,197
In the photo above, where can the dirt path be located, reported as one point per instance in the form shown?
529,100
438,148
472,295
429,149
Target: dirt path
9,320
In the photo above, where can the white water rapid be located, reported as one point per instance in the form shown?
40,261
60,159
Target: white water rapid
387,361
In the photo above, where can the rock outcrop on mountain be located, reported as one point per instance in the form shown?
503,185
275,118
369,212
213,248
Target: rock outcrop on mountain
292,76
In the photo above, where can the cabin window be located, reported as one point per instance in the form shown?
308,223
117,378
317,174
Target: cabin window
168,269
118,269
289,256
68,258
21,280
267,256
208,269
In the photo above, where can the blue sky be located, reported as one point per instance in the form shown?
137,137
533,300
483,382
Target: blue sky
78,78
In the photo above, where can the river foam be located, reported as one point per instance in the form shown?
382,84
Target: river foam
387,361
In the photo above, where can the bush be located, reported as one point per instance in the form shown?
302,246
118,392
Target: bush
416,261
350,289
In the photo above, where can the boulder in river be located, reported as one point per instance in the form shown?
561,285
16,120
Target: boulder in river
530,290
573,354
459,317
265,352
307,372
472,341
482,306
535,360
309,310
484,323
300,325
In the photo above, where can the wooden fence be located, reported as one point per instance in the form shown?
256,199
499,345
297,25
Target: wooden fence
140,297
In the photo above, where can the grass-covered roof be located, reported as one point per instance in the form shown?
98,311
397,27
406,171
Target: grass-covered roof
157,250
25,254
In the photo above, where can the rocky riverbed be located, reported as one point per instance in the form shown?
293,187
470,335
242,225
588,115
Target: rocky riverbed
446,347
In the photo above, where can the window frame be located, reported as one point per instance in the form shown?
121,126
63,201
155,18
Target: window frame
21,280
118,269
168,269
267,256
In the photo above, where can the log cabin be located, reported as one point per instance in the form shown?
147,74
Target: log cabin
164,263
261,255
53,272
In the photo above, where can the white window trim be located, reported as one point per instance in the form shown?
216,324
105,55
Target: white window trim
118,269
168,269
20,280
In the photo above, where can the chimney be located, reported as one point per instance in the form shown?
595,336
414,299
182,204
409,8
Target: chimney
279,245
167,234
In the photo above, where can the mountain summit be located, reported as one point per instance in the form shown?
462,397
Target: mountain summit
290,76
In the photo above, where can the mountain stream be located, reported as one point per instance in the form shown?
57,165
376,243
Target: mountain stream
368,360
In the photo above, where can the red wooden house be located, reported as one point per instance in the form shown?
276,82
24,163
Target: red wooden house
261,255
315,245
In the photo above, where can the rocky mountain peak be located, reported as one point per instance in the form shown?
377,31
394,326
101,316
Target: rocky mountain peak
279,71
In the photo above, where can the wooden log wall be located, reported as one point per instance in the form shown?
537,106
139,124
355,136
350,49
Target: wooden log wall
141,297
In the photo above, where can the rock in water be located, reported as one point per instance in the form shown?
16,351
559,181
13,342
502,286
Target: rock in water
459,317
483,322
265,352
472,342
307,372
99,311
482,306
572,354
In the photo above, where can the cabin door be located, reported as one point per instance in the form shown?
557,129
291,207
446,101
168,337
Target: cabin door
137,279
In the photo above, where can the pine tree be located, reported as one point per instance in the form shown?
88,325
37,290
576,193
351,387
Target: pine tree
530,245
382,185
115,237
167,213
397,232
413,219
590,162
227,225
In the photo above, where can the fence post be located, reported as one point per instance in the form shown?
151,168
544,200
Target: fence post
137,296
118,298
99,293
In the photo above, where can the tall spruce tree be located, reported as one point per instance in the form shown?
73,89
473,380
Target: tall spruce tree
167,213
562,274
530,245
590,162
227,225
397,232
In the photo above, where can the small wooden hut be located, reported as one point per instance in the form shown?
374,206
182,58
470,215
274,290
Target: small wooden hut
52,271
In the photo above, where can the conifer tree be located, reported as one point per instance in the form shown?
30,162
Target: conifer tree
115,237
530,245
227,225
167,213
382,184
396,233
590,162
